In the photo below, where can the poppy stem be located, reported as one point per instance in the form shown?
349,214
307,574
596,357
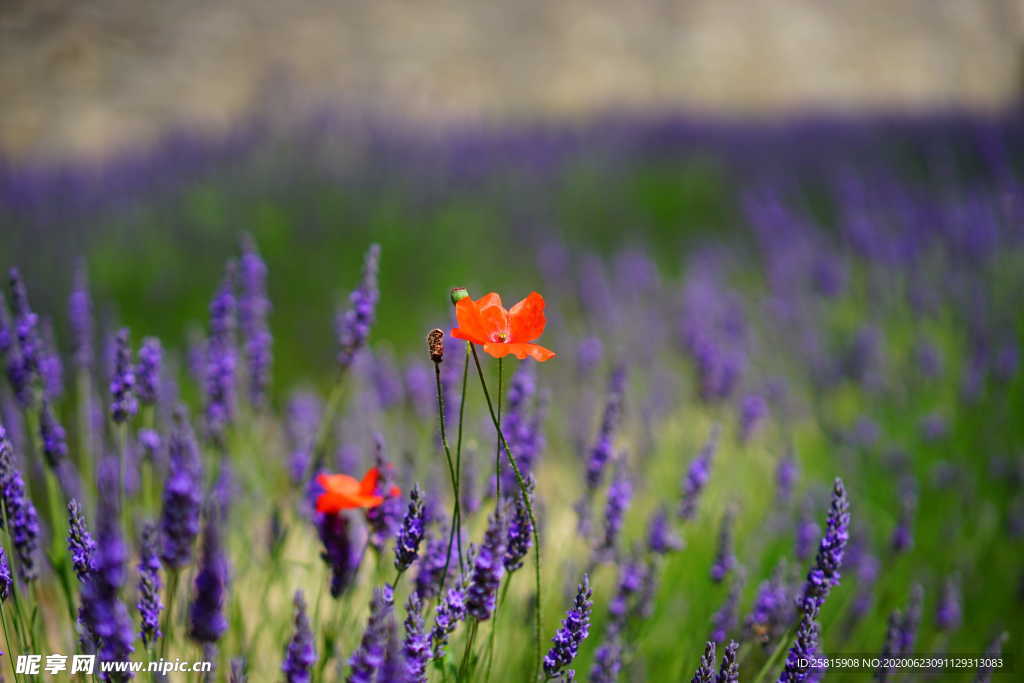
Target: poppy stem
454,471
458,454
524,491
497,449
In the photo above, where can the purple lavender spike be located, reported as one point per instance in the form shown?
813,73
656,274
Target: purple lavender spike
603,449
911,620
51,368
342,552
520,532
419,389
725,560
353,326
123,403
661,538
807,534
706,669
785,477
411,532
934,427
607,660
55,445
182,498
386,380
431,566
195,356
300,654
697,476
929,361
6,578
890,648
6,330
644,607
772,611
81,321
303,418
825,572
752,410
20,378
804,647
992,654
588,355
948,612
902,536
206,612
393,666
575,629
416,646
724,620
620,494
385,519
367,659
730,669
820,579
81,545
29,342
104,615
450,612
867,574
20,513
253,307
487,571
149,604
149,442
631,579
219,375
520,428
147,372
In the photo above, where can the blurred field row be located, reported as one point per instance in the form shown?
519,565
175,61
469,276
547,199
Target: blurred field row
99,76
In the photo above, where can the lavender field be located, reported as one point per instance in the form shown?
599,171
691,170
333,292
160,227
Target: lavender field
760,400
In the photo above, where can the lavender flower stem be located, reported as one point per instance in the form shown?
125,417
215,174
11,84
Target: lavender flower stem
470,639
19,616
7,641
771,662
526,499
86,436
173,573
494,625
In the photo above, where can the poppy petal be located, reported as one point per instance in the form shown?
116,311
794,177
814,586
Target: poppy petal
330,503
337,483
494,317
368,485
521,351
526,319
367,501
471,326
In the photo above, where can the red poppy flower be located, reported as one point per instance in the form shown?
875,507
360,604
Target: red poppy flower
503,331
342,492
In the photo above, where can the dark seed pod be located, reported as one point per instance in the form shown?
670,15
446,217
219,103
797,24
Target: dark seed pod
435,344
